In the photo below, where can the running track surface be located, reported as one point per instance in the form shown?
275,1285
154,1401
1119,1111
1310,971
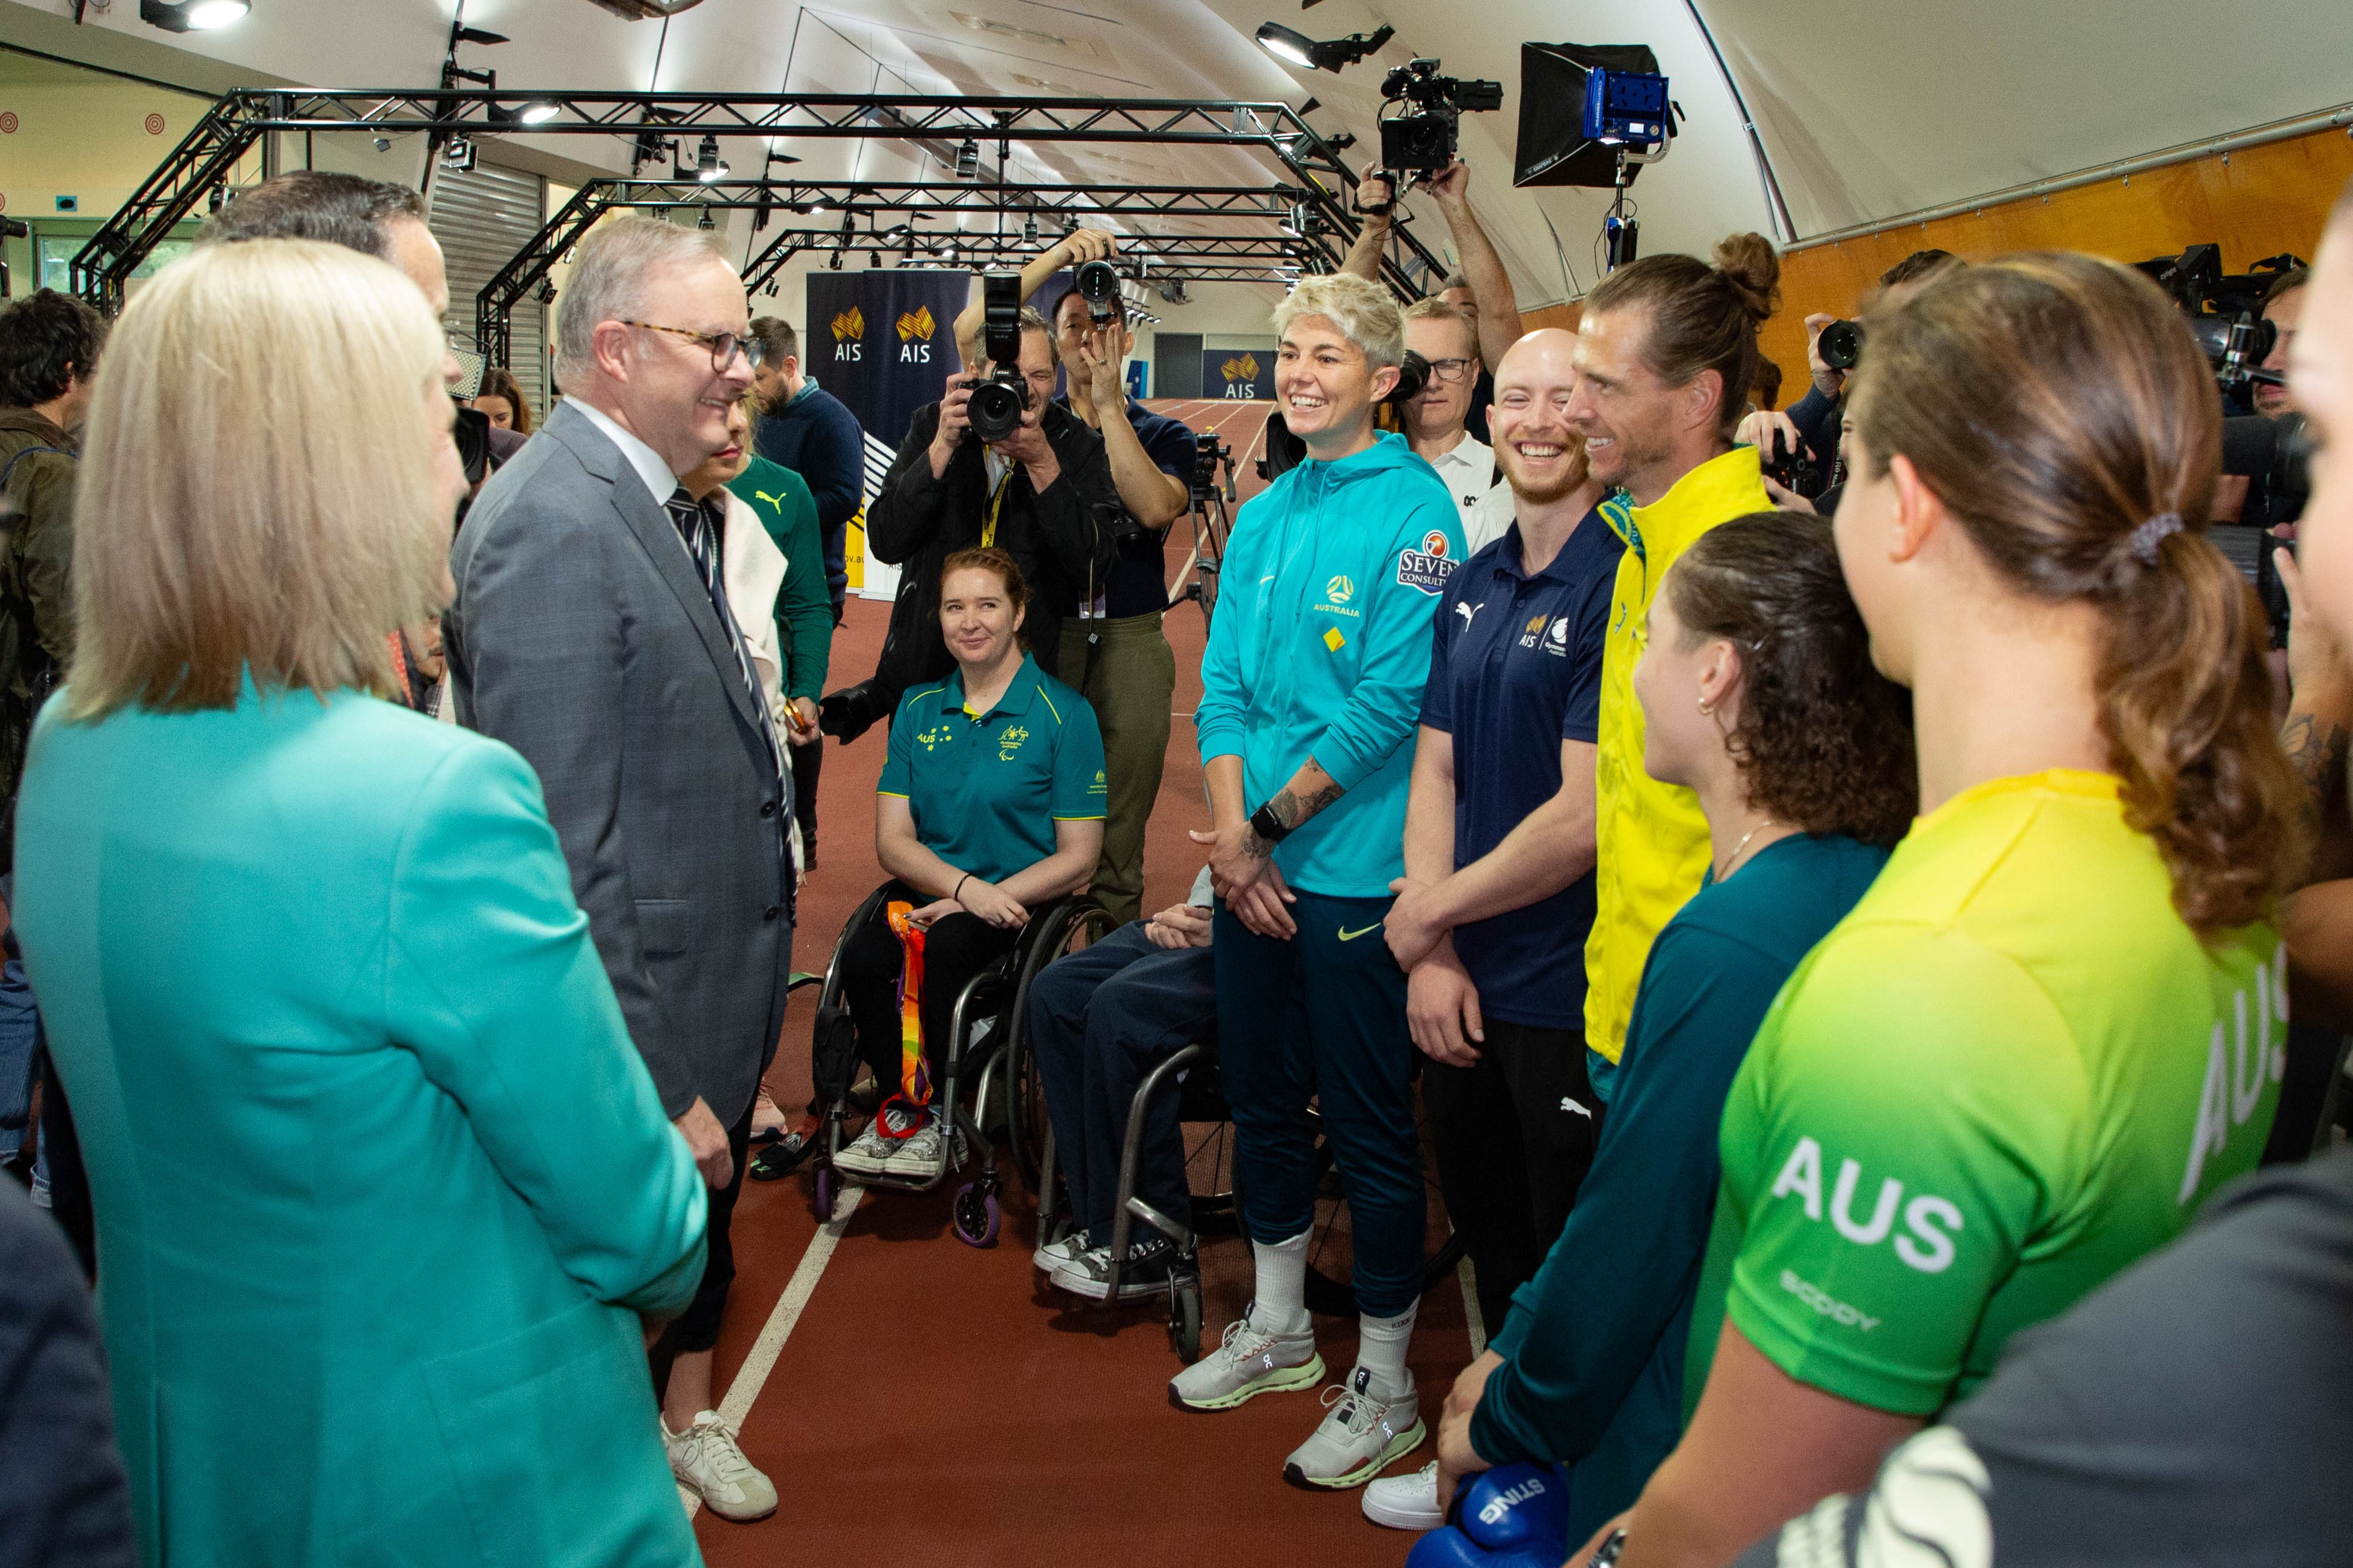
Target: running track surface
934,1403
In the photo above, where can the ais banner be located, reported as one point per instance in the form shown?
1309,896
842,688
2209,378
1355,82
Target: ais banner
883,340
1237,373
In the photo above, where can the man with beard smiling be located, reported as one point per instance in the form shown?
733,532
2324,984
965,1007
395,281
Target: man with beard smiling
1309,686
1666,351
1497,898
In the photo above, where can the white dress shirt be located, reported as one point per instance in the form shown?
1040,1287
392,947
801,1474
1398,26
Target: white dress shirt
649,465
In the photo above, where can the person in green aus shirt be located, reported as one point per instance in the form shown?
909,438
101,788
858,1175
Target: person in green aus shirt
2057,1021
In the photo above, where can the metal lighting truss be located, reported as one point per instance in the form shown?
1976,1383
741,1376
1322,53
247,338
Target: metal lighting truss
1198,258
205,159
846,201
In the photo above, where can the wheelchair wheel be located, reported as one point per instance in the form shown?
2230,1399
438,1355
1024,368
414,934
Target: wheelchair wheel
975,1217
1075,925
1185,1322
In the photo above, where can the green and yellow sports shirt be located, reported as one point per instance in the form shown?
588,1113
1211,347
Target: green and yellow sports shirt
2010,1072
986,789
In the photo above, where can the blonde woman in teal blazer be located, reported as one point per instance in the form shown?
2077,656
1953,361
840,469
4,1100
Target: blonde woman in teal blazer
382,1307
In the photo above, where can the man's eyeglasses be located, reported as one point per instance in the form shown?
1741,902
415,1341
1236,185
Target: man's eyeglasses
1448,370
724,346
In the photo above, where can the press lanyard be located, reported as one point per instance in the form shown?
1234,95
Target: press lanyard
996,501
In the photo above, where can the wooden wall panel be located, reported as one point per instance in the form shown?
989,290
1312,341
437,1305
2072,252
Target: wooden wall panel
2255,202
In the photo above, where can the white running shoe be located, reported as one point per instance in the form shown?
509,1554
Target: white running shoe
1247,1363
873,1152
1406,1502
1360,1438
707,1462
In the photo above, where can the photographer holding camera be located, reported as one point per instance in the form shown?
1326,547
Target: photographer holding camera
1037,487
1113,652
1799,450
1482,290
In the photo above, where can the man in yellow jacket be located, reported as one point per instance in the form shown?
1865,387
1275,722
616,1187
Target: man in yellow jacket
1665,352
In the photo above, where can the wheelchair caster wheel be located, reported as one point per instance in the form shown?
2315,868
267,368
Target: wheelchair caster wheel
1185,1324
976,1216
828,1189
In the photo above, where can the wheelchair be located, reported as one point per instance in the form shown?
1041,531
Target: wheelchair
984,1037
1191,1073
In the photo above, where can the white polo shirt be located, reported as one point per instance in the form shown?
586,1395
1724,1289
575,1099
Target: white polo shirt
1469,470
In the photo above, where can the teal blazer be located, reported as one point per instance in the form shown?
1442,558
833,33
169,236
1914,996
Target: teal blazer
379,1177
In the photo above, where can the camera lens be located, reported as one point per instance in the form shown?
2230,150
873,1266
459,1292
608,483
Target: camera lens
996,409
1841,346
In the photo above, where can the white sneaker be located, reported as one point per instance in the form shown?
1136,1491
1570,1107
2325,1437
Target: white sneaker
1052,1255
1362,1435
707,1463
873,1152
1247,1361
1406,1502
922,1154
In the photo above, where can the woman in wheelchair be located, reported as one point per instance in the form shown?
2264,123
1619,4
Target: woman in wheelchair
991,804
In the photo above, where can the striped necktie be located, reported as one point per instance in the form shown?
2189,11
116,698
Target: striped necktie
702,545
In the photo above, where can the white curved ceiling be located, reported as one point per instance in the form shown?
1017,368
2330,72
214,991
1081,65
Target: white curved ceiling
1868,108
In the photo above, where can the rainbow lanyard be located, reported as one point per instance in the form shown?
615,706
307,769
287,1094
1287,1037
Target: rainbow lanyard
914,1081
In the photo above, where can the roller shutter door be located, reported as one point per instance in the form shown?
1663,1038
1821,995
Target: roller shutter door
482,217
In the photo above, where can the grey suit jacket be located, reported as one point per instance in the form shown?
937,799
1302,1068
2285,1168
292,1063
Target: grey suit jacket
582,637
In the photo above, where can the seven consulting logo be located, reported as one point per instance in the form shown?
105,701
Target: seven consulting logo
915,329
848,327
1428,567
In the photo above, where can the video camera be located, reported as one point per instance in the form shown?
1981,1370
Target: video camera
1209,454
1097,283
998,402
1420,139
2225,315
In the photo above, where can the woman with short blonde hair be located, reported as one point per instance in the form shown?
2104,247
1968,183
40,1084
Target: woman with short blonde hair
340,940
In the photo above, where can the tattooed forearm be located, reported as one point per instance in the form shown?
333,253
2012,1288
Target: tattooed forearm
1309,792
2318,747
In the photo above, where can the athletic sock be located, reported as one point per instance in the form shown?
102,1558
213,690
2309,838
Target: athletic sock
1279,1305
1380,1349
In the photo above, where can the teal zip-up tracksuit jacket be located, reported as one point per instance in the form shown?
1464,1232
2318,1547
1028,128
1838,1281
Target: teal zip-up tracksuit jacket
1321,647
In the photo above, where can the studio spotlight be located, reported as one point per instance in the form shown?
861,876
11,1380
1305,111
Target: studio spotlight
547,293
1029,229
968,165
834,261
459,154
707,164
706,221
191,16
1331,55
535,113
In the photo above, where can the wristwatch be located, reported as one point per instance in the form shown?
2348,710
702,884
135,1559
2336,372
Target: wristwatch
1267,826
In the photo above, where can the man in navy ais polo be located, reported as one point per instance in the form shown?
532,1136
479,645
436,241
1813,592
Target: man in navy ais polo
1497,896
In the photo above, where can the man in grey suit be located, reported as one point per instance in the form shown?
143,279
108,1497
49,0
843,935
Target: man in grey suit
590,634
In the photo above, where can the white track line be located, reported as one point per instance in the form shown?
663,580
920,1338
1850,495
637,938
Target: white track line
752,1376
1471,1318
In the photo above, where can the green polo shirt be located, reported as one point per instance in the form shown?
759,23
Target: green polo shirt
987,788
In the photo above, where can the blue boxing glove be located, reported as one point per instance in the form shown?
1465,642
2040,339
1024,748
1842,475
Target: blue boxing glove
1515,1517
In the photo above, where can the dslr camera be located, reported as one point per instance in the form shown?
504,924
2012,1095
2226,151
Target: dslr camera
2225,315
998,402
1420,139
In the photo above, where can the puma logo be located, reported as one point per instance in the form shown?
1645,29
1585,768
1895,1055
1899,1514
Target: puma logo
1468,611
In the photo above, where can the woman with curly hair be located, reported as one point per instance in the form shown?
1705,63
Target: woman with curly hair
1758,695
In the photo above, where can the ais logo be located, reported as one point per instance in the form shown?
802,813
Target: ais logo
1241,376
915,329
848,327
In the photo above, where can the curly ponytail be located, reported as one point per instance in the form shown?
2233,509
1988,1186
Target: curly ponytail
2058,406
